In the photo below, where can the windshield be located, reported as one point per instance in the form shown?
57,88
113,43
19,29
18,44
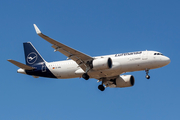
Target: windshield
158,54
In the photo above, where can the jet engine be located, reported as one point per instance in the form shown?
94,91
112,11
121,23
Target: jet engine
101,63
125,81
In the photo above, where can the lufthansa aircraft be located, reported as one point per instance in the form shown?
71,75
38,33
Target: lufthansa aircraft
106,69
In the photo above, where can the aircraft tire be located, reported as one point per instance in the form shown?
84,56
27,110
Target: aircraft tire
101,87
147,76
85,76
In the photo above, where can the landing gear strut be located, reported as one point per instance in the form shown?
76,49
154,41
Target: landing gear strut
147,72
101,87
85,76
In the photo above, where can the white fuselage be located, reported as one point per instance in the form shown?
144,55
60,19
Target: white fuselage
125,62
107,69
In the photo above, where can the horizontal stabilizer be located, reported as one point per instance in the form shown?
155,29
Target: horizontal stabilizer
20,65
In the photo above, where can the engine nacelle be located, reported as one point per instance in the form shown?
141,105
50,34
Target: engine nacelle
101,63
125,81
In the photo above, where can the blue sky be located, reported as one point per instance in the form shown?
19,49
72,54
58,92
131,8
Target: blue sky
96,27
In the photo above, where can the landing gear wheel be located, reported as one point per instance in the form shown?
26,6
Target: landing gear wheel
85,76
147,76
147,72
101,87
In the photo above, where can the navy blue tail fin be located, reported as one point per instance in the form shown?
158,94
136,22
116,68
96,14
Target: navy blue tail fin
32,56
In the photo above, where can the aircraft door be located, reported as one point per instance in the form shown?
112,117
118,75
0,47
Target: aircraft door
43,67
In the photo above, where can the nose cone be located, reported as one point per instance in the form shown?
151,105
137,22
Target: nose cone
166,60
22,71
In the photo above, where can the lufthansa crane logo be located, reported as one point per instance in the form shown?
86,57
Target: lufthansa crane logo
31,58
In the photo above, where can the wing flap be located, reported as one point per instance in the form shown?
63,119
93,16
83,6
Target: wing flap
20,65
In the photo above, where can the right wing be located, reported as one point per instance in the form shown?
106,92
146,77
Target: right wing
20,65
80,58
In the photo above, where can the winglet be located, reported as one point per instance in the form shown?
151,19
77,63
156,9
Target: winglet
37,29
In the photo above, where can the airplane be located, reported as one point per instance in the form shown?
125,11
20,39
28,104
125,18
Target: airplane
106,69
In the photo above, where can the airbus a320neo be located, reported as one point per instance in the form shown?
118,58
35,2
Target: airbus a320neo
106,69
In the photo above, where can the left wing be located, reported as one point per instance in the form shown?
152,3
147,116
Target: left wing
80,58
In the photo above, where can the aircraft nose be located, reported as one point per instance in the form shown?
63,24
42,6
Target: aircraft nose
166,60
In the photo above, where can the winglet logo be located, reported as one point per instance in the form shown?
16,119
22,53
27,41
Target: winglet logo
32,57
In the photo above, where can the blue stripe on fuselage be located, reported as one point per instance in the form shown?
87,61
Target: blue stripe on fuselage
40,70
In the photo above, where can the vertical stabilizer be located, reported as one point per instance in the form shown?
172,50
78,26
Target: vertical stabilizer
32,56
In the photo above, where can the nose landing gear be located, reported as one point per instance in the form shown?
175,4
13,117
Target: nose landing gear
147,72
147,76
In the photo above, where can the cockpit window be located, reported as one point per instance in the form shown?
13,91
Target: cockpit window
158,54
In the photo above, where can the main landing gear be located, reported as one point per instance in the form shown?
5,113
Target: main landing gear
147,72
85,76
101,87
